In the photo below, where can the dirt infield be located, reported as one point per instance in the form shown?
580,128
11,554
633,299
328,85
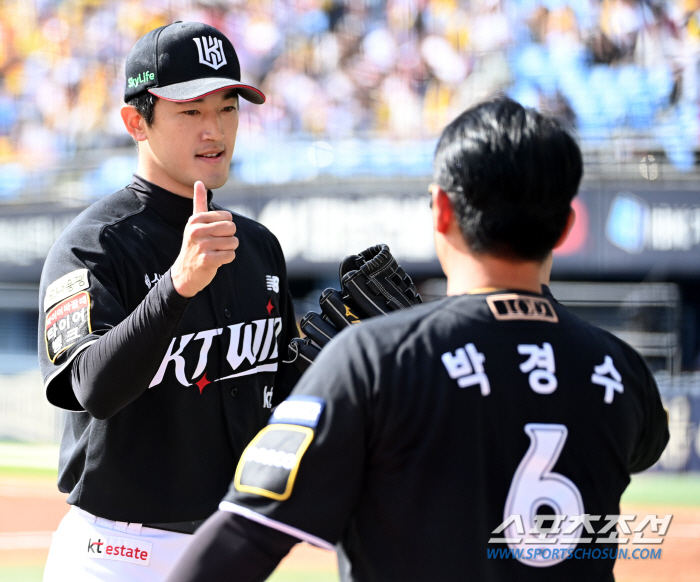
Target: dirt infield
31,508
680,550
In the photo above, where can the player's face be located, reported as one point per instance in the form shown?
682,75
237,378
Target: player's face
192,141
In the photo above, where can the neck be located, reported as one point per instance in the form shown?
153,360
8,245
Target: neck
149,169
467,272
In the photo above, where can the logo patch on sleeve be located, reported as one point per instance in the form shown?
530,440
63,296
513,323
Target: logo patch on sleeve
66,323
270,463
65,286
303,410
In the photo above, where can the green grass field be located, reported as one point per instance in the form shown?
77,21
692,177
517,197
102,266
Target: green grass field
664,489
21,574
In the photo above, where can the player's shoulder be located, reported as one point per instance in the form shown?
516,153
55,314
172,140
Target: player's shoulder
591,341
244,222
251,228
490,315
406,319
86,229
103,213
589,332
388,333
81,245
113,208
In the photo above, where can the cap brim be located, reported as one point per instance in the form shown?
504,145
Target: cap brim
198,88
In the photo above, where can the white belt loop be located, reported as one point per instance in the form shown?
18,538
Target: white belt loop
86,515
134,529
102,522
122,526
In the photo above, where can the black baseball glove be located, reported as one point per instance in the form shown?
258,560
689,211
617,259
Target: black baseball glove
372,283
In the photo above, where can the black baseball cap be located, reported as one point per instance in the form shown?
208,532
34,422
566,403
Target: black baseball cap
184,61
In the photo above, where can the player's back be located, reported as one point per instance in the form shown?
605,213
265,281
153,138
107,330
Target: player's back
484,407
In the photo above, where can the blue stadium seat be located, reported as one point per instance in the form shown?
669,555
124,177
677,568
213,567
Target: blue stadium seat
12,179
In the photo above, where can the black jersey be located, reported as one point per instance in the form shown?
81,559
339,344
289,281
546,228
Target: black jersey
182,384
415,436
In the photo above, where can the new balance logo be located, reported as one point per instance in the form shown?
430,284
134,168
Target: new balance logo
211,52
273,283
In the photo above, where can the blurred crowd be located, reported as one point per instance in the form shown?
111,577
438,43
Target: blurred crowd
383,69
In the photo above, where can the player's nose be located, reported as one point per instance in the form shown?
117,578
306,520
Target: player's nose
213,127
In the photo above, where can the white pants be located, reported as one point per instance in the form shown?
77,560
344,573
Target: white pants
88,548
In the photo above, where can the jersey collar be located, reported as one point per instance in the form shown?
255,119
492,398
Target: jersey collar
172,208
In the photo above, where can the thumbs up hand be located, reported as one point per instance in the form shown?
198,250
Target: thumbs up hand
209,241
199,199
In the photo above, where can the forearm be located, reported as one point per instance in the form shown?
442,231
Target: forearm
118,367
231,547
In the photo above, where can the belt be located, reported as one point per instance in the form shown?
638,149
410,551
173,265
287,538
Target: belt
186,527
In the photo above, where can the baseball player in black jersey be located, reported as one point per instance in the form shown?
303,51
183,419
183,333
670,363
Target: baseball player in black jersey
165,318
492,418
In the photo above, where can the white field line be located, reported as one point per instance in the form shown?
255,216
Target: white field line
23,455
25,540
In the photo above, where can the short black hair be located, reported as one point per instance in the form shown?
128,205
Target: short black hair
510,173
146,102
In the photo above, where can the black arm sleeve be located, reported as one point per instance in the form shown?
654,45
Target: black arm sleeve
655,433
117,368
228,547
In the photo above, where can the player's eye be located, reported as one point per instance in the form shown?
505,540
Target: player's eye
191,112
230,108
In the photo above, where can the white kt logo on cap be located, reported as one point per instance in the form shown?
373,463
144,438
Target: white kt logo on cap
211,52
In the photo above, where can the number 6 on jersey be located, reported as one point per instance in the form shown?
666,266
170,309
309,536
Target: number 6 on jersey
534,485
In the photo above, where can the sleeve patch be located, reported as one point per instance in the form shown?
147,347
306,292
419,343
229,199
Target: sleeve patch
65,286
66,323
270,463
303,410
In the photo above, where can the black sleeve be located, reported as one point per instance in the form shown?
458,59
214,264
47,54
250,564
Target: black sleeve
231,547
655,432
116,369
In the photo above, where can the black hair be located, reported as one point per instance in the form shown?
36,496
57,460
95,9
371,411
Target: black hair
510,174
144,104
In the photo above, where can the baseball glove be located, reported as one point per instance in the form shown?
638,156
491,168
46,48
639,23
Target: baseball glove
372,283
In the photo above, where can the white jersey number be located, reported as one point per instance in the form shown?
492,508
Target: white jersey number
534,485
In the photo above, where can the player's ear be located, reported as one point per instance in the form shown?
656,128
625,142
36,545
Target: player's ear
134,122
443,214
567,229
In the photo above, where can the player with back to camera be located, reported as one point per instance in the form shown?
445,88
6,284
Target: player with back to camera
164,321
414,436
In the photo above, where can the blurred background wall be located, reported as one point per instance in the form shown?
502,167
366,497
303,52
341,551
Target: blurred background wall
339,158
